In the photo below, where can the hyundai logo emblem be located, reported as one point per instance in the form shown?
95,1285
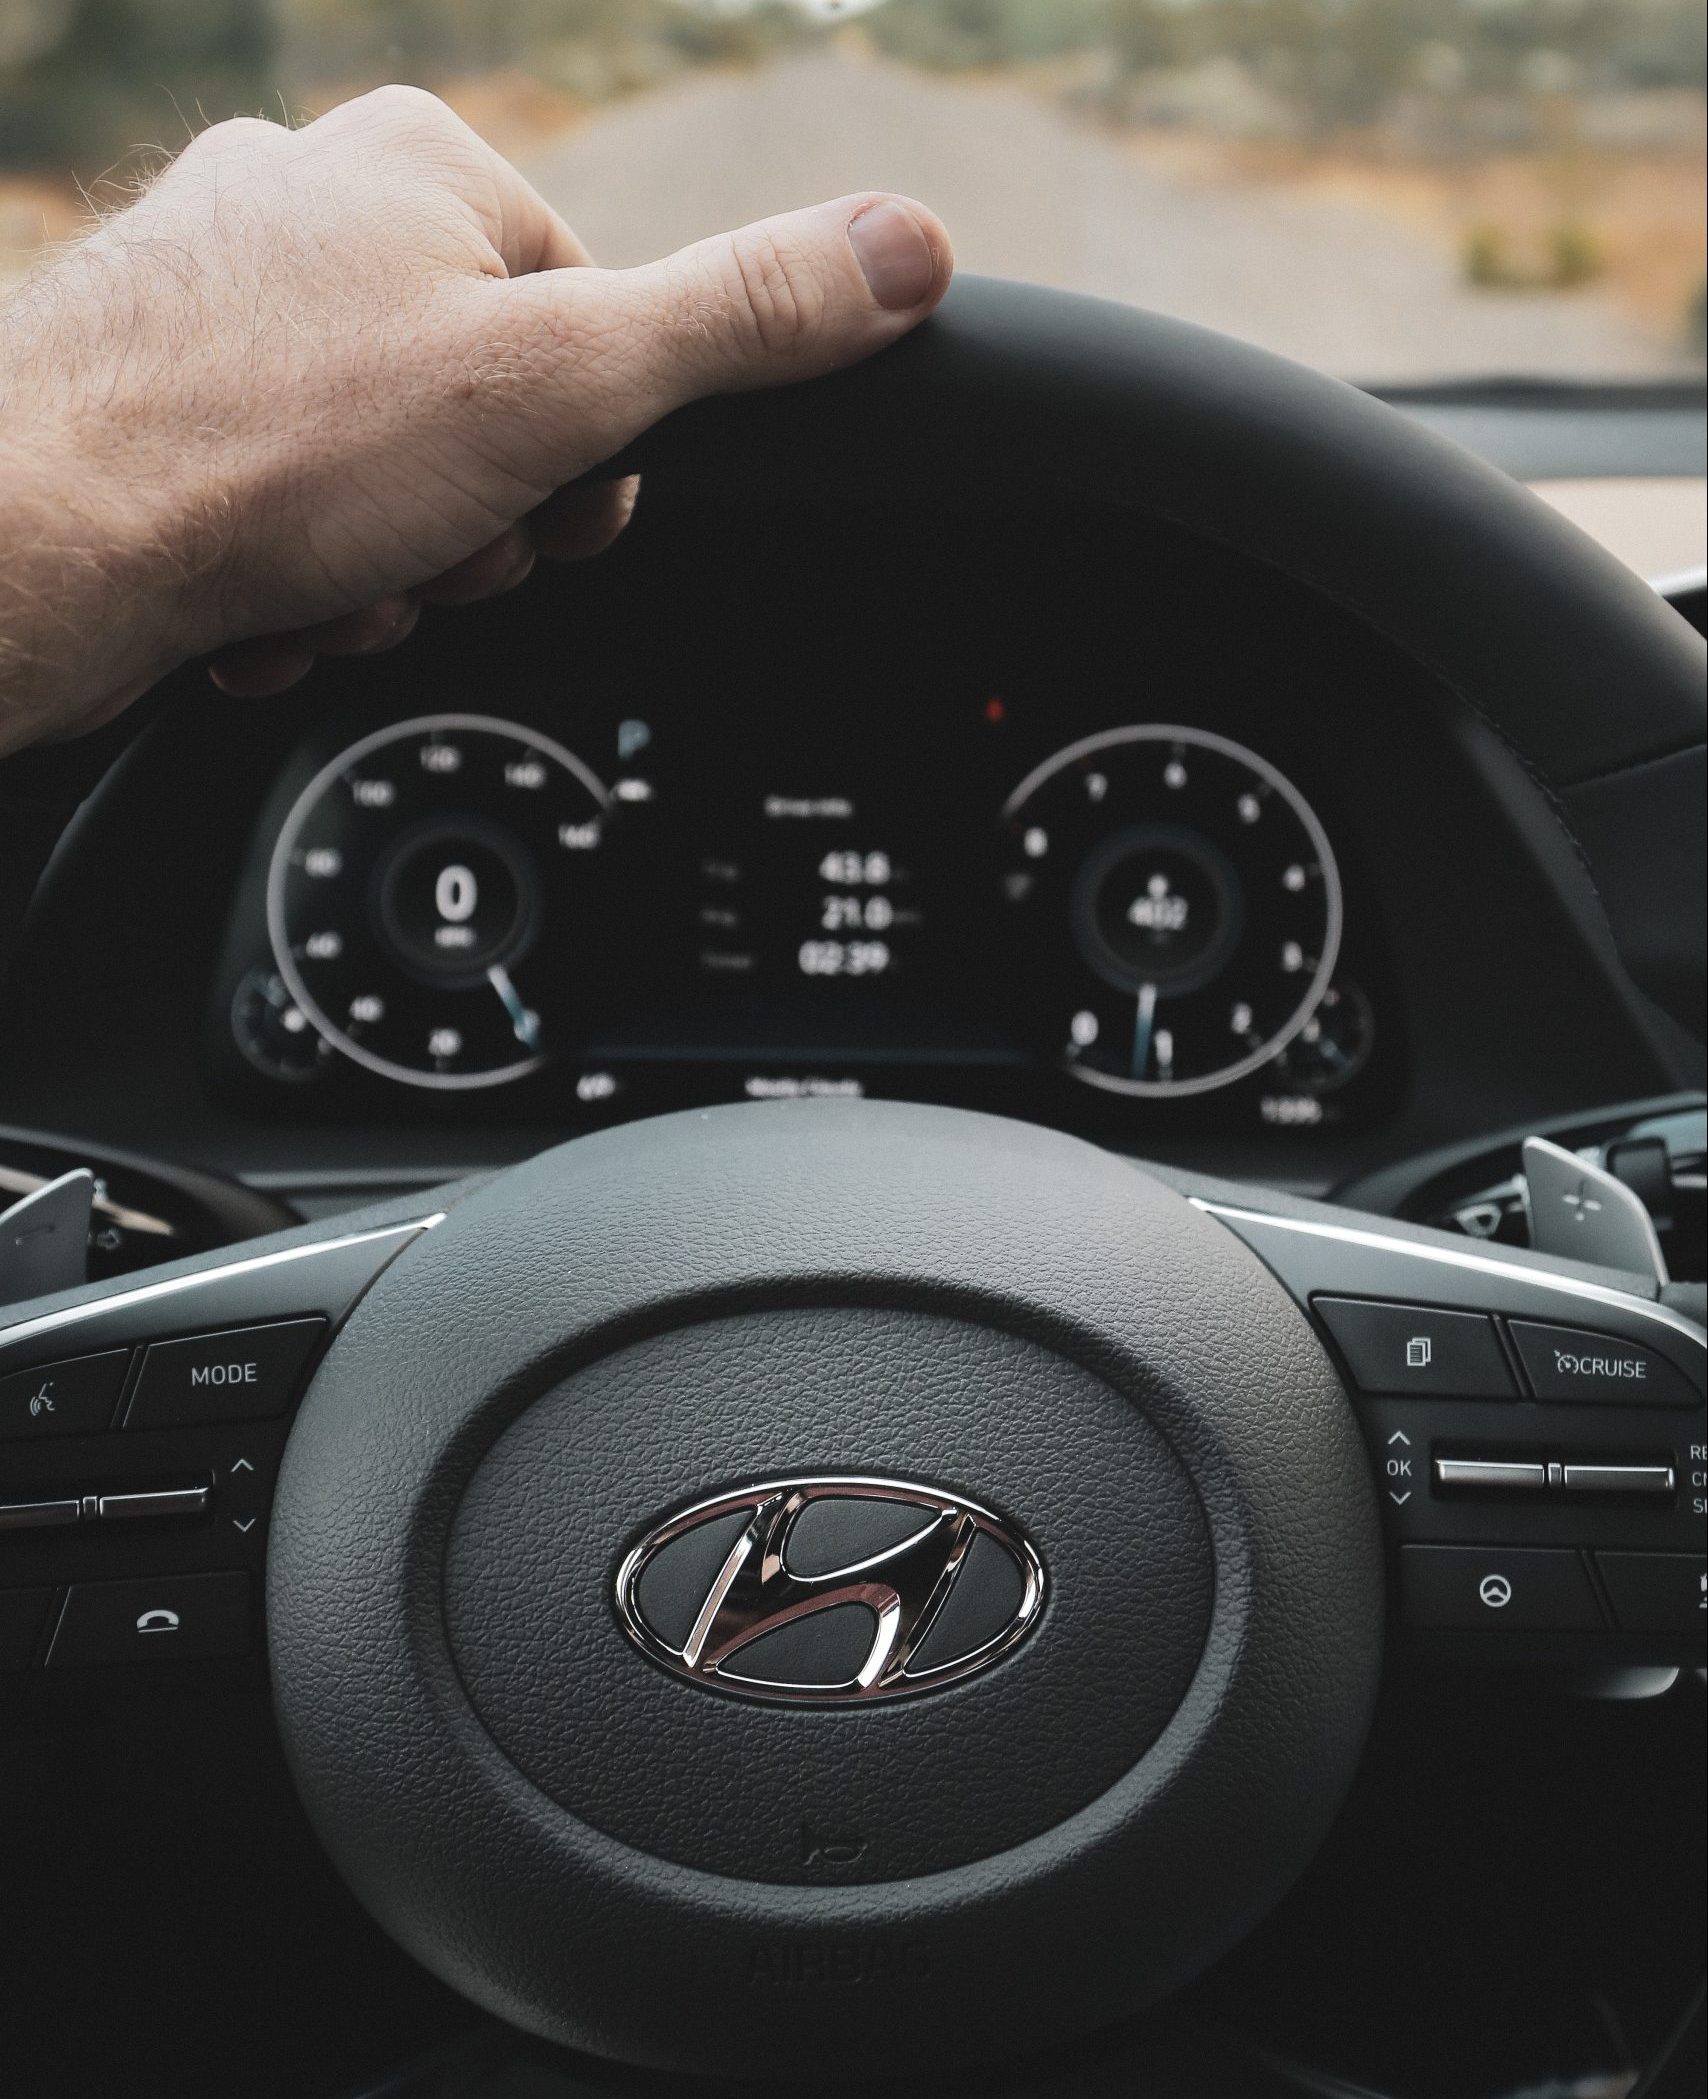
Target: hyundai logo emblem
830,1591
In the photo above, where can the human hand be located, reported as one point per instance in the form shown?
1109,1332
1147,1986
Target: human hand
313,377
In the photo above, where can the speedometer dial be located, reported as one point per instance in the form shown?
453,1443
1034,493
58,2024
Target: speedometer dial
429,898
1183,903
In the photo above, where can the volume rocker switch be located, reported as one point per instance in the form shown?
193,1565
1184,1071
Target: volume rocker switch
1490,1476
1618,1479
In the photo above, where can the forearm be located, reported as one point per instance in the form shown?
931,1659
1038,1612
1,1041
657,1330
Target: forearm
94,549
315,376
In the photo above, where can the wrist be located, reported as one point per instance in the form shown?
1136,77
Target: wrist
99,543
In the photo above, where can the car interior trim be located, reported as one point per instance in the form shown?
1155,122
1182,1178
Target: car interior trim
1451,1257
123,1301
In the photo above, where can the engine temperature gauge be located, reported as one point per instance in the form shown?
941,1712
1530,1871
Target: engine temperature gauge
1334,1044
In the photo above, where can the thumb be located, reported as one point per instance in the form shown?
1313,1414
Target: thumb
787,298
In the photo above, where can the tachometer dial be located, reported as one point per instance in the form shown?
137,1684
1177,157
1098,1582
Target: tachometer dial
1184,906
428,898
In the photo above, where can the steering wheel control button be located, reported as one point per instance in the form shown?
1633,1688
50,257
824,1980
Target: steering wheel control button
22,1613
1412,1351
1566,1362
1490,1476
1650,1481
74,1398
39,1515
1656,1592
150,1502
243,1374
1472,1588
165,1618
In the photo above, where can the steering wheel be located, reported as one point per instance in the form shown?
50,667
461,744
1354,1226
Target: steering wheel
757,1584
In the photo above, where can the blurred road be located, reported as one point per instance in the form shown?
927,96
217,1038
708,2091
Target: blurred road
1027,192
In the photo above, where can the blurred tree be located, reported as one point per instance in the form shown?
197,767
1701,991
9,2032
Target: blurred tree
81,81
97,78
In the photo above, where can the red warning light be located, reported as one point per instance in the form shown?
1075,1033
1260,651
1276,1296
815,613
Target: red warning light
995,710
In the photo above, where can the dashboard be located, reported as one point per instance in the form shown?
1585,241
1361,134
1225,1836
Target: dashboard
1072,818
1024,807
459,902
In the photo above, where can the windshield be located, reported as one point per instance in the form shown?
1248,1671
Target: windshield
1399,191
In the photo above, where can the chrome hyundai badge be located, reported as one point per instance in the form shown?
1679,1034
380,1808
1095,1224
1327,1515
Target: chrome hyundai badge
830,1591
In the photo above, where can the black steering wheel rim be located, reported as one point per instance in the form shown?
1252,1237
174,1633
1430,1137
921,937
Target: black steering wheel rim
1594,683
444,1487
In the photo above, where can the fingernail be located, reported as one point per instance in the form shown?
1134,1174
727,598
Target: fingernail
388,619
894,256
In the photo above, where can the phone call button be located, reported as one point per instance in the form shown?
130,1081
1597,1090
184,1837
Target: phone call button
169,1618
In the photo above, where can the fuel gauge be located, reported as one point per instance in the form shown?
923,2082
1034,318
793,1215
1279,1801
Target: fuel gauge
1334,1044
273,1031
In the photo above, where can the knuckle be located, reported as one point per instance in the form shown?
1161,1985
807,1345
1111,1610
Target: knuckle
412,108
778,295
233,135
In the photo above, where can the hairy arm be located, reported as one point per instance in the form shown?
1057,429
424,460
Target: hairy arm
314,377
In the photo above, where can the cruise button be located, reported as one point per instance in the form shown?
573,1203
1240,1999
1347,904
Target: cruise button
244,1374
1566,1362
1413,1349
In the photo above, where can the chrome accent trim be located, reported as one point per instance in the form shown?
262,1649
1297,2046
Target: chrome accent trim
1619,1479
1476,1264
1498,1473
755,1592
152,1293
39,1515
1681,582
154,1501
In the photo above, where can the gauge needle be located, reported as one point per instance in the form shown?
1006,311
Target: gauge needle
526,1024
1143,1021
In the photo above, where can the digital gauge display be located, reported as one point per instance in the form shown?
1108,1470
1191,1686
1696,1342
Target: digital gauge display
1145,915
432,899
1181,906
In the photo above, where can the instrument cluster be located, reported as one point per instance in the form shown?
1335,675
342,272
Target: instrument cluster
615,912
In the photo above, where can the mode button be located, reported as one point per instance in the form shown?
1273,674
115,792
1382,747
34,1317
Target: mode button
243,1374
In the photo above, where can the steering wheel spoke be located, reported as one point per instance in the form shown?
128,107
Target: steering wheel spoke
141,1428
1535,1427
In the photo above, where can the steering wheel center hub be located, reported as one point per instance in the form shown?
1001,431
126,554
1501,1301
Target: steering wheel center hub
1019,1443
820,1526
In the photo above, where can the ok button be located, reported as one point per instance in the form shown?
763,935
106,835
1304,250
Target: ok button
243,1374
